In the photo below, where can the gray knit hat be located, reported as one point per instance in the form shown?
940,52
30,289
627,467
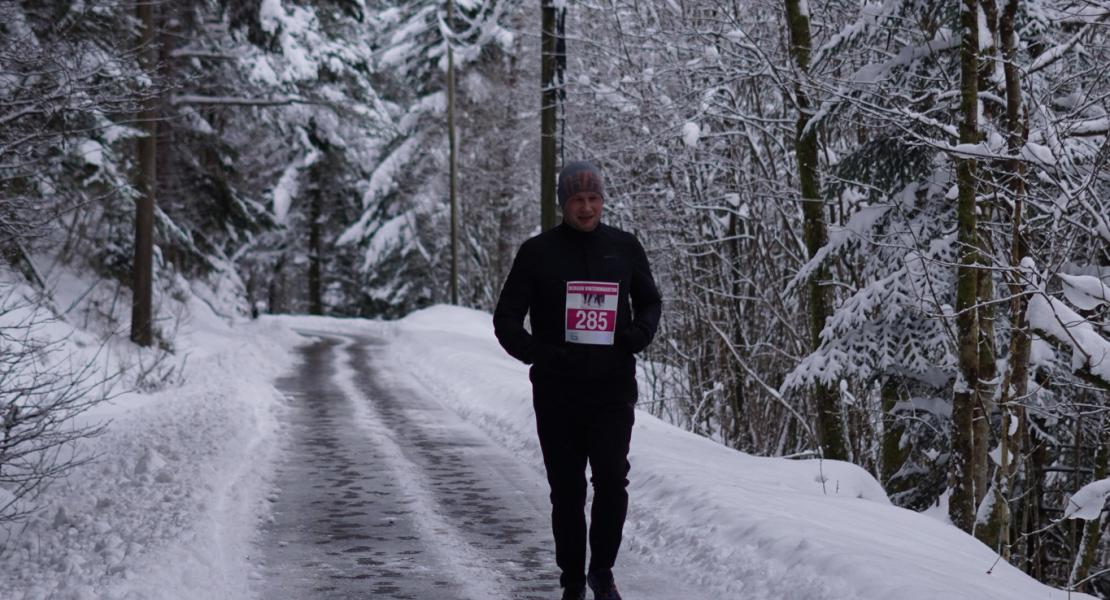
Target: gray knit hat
577,177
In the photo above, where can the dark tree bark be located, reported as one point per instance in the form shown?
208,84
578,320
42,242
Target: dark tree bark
276,295
830,423
315,254
143,266
454,158
961,504
548,113
893,453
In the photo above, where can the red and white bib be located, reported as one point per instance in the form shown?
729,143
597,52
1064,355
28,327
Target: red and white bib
592,312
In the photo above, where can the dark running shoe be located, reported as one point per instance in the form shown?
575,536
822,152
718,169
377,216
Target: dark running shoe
574,593
603,586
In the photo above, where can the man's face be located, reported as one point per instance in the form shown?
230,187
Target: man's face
583,211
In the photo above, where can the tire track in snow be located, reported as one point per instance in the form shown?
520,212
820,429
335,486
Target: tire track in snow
493,502
465,563
342,526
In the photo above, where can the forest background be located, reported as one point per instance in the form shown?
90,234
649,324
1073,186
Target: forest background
882,228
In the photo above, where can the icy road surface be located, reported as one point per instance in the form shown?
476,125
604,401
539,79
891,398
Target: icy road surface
382,492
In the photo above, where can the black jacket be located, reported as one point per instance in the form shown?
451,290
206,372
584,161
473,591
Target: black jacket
537,285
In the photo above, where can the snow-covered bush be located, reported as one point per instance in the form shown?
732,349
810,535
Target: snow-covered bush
46,383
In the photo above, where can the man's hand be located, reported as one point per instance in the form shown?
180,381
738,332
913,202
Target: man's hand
631,339
549,356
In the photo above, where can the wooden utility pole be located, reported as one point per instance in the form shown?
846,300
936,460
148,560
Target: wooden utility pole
961,504
454,159
830,424
142,269
548,59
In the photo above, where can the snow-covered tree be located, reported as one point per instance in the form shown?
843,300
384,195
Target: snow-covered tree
402,230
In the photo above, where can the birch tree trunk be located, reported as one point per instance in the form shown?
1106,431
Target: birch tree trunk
830,424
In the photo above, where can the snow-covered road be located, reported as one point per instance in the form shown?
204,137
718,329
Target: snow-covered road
400,461
383,492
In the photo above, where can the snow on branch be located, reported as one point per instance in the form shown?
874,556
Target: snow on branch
885,325
1089,127
194,99
288,186
874,73
870,14
1030,153
201,53
1055,53
1087,503
384,178
383,181
859,226
1053,319
1085,292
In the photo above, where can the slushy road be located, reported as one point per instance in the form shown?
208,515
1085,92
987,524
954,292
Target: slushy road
381,492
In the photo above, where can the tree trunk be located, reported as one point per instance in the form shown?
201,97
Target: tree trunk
985,312
1028,554
548,110
1015,386
142,270
830,424
961,504
315,255
276,302
1092,530
454,158
252,293
736,395
984,405
893,453
16,255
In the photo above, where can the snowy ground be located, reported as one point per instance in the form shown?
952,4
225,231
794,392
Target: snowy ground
752,528
178,496
168,508
384,492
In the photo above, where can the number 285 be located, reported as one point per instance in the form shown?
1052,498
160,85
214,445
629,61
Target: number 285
591,319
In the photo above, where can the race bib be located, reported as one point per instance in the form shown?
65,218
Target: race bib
592,312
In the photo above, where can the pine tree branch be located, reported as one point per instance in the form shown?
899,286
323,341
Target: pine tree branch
198,100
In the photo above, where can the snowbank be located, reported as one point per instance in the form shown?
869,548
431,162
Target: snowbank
171,506
751,527
168,508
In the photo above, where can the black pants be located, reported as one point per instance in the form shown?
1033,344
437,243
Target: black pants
580,423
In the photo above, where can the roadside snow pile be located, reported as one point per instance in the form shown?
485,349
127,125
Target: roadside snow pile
167,507
750,527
